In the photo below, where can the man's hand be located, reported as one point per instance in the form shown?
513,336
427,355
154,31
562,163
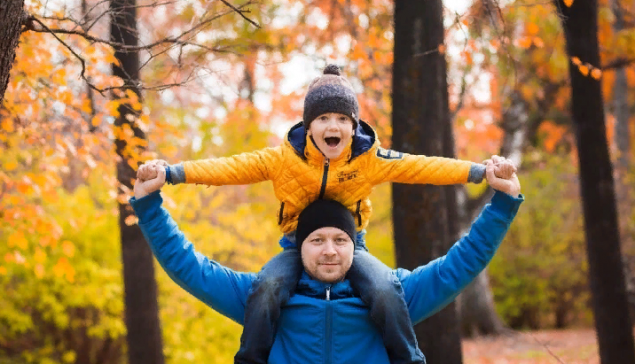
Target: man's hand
143,188
510,186
147,172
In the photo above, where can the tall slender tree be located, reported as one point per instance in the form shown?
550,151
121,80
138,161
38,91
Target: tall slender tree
420,120
12,14
141,312
615,335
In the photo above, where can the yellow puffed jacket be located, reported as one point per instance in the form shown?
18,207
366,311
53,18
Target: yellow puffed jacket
301,174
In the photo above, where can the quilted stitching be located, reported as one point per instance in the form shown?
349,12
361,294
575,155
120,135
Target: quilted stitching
297,182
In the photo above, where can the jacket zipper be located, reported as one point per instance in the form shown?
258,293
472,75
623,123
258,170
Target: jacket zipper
329,318
280,214
324,178
358,213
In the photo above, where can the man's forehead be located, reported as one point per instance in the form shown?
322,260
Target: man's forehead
328,231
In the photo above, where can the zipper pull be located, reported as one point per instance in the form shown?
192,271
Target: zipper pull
327,162
328,293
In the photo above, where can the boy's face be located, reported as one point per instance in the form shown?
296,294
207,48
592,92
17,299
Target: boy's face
331,132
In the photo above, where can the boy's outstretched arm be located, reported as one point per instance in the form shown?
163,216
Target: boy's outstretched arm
240,169
391,166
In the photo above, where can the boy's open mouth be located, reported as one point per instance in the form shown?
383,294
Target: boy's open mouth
332,141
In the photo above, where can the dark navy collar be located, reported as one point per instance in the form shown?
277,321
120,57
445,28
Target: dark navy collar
310,287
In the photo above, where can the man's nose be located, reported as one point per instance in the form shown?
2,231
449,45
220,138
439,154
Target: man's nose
329,249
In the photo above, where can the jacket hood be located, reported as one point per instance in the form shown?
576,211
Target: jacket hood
364,138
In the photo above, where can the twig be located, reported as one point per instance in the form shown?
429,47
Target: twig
240,12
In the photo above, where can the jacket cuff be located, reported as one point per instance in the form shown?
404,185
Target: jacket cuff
146,208
477,173
175,174
505,204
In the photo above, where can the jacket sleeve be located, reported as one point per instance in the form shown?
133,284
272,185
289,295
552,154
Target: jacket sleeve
219,287
240,169
390,166
431,287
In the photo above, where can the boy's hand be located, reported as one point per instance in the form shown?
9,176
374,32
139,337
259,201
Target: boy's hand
510,186
503,168
144,188
147,171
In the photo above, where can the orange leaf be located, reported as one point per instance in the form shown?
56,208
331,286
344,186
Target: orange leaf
3,271
7,125
576,61
442,48
538,42
524,42
17,239
11,165
583,69
532,28
568,3
131,220
596,73
68,248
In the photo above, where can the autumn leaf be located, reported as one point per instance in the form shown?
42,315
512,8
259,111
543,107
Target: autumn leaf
568,3
18,240
576,61
68,248
538,42
131,220
583,69
442,48
524,42
596,73
532,28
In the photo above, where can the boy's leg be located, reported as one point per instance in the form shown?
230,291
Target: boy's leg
381,290
273,287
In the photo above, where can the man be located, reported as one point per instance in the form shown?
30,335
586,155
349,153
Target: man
325,321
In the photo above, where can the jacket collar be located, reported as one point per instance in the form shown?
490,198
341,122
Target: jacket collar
310,287
363,140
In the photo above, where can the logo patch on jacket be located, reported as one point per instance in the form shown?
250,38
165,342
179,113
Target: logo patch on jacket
347,176
388,154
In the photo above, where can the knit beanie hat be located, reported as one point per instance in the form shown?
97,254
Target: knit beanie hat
330,92
324,213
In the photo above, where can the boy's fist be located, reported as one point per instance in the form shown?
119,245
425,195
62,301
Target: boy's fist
503,168
148,170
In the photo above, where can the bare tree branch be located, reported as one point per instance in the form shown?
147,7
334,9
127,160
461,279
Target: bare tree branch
241,13
618,63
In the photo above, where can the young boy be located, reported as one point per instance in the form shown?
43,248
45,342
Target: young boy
330,155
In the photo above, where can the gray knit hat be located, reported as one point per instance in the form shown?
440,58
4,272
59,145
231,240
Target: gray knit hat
330,92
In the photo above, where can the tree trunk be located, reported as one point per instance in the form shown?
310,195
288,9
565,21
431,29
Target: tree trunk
141,313
11,13
420,118
615,336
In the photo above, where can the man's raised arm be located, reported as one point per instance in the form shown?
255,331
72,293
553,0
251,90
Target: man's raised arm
431,287
219,287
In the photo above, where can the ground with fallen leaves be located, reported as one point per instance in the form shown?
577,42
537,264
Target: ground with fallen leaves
535,347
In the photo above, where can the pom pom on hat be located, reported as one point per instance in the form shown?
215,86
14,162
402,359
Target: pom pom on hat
332,69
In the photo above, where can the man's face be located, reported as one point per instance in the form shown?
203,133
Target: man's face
327,254
332,132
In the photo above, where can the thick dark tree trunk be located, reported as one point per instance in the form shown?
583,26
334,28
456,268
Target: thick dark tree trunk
142,313
12,14
420,118
622,141
615,336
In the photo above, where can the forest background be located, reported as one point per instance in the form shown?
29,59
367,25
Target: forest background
219,78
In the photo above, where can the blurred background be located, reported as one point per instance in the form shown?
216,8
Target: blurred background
89,89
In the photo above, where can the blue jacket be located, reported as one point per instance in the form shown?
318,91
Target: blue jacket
313,329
